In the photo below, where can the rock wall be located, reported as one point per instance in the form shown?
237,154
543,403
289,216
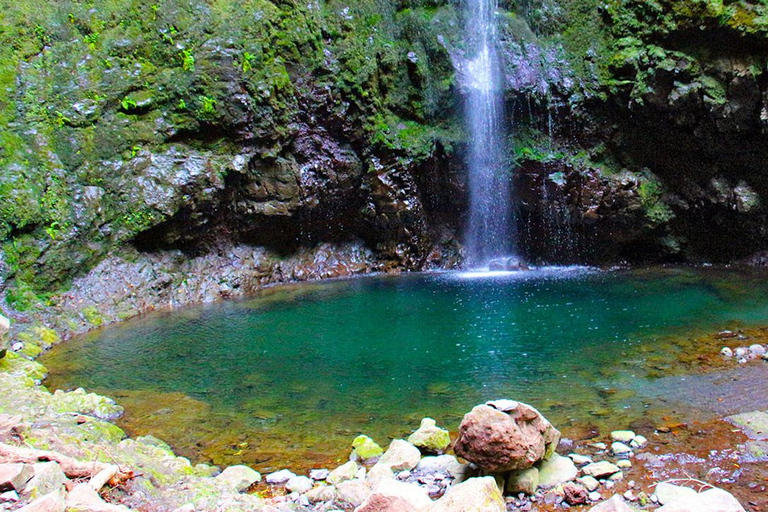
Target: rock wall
637,131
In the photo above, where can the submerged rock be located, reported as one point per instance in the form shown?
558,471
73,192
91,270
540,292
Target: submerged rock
668,493
430,438
600,469
615,504
505,435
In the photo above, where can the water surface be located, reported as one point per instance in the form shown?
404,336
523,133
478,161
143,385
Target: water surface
288,378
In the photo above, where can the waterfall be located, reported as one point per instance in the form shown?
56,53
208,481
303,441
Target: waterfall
489,232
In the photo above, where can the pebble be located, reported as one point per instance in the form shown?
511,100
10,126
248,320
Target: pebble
589,482
757,350
638,442
580,459
319,474
726,352
629,496
741,352
616,477
595,496
620,449
623,436
17,346
624,463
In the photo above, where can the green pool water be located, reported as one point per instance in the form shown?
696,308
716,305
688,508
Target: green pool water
289,377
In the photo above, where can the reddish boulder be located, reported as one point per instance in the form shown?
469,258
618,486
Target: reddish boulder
504,435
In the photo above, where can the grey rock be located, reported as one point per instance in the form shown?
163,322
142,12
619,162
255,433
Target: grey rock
401,455
615,504
668,493
346,471
52,502
712,500
48,478
623,436
600,469
589,482
523,480
318,474
239,477
279,477
556,470
474,495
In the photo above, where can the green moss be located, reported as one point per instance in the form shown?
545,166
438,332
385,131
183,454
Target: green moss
93,316
651,198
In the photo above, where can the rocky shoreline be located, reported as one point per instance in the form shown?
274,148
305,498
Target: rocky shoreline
39,430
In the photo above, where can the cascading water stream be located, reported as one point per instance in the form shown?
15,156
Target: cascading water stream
489,233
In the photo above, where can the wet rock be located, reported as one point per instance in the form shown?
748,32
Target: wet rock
523,480
414,495
401,455
575,494
299,484
352,493
595,496
600,469
282,476
712,500
623,436
48,478
346,471
366,448
430,438
505,435
668,493
474,495
615,504
13,477
620,449
240,477
555,470
84,499
624,463
741,352
51,502
638,442
726,352
756,350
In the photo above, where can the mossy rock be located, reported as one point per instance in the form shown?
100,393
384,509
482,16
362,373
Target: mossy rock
366,448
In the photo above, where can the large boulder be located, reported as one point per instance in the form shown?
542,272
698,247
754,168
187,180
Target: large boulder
505,435
712,500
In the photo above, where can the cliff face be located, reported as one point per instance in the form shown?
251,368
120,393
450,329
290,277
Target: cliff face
190,125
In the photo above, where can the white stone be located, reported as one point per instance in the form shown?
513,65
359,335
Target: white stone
615,504
278,477
556,470
400,455
712,500
580,460
600,469
741,352
474,495
616,477
756,350
318,474
638,442
342,473
668,493
726,352
598,446
623,436
595,496
624,464
589,482
620,449
413,494
10,496
299,484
